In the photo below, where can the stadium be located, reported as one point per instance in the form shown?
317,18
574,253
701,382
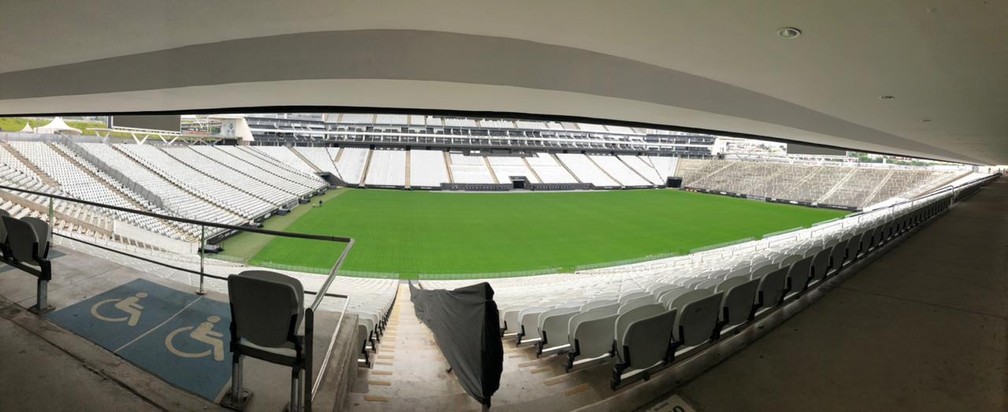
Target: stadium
364,229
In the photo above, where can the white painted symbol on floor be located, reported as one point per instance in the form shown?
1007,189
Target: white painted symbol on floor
203,333
130,306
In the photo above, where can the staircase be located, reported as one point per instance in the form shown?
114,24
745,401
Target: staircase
557,159
486,163
605,172
871,196
305,159
447,160
60,215
531,170
837,186
408,168
367,165
635,170
49,181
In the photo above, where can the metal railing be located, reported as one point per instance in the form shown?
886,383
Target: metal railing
310,388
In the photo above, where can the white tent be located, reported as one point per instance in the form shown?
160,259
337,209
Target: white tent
57,126
27,128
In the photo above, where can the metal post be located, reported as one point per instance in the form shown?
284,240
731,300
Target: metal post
51,221
309,347
202,253
42,296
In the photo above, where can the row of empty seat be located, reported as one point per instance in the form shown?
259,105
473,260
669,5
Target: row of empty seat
419,168
644,315
814,183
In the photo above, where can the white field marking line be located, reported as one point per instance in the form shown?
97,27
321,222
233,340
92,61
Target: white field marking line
159,325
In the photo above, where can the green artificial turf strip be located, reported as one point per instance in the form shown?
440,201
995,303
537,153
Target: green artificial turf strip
431,232
244,245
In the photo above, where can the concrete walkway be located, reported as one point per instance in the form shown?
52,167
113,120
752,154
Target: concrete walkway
922,328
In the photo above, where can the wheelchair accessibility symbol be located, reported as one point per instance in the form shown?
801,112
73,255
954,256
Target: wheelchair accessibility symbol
203,333
129,306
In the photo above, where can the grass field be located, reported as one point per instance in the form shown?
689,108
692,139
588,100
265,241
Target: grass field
462,233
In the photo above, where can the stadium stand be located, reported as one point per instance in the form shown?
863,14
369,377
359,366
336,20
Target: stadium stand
856,186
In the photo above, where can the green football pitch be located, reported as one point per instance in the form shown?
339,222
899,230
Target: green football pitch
410,233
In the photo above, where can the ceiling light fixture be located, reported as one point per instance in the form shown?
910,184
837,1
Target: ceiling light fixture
886,97
788,32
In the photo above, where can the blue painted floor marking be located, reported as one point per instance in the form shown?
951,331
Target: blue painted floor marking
181,337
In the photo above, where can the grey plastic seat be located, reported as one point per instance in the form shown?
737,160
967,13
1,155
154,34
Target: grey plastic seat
597,304
26,240
529,329
820,265
865,244
696,321
771,290
267,309
512,322
553,331
591,334
853,245
710,283
633,295
837,256
643,339
658,291
636,303
798,277
739,301
41,229
667,297
3,229
689,296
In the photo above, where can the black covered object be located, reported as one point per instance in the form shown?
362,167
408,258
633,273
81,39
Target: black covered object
466,328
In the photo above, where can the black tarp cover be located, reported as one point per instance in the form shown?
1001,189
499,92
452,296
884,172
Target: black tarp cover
466,327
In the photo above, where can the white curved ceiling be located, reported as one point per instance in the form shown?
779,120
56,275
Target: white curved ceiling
713,64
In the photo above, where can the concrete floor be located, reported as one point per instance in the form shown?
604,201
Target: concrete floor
921,328
46,367
32,365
